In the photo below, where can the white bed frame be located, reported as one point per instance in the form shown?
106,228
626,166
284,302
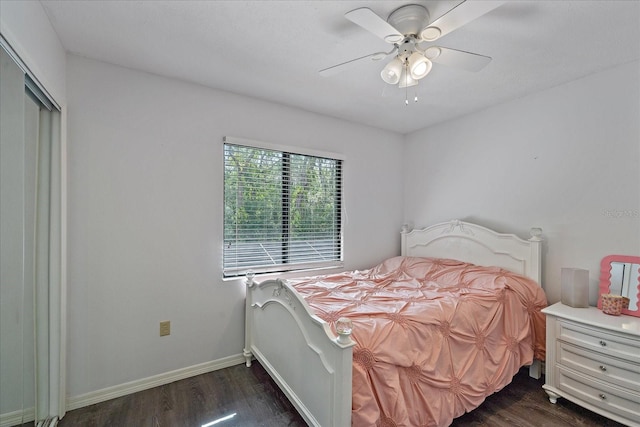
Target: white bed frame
311,364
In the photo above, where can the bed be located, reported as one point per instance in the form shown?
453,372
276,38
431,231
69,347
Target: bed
468,337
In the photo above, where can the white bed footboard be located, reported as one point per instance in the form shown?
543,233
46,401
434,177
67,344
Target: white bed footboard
302,355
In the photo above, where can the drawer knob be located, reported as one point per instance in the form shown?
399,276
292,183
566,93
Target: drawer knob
603,368
602,396
603,343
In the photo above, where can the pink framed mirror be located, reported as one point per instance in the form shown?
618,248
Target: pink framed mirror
620,275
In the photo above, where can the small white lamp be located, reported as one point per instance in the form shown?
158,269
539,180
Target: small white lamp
574,290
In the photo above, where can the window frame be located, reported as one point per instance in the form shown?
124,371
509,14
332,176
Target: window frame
234,272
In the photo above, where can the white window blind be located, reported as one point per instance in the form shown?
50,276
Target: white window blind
282,210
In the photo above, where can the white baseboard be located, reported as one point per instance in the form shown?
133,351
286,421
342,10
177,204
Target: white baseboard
109,393
17,417
27,416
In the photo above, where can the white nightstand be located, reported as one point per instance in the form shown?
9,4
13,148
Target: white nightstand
593,359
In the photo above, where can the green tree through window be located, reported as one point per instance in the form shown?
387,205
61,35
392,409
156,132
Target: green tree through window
282,210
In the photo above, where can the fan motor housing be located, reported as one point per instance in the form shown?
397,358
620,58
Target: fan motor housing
406,47
409,19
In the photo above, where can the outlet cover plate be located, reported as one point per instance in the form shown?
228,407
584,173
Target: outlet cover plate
165,328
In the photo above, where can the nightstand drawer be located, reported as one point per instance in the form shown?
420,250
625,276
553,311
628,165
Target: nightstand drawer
599,366
609,398
604,342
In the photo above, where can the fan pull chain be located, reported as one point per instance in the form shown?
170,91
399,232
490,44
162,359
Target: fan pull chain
406,86
406,83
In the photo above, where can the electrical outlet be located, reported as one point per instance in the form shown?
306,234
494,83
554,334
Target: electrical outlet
165,328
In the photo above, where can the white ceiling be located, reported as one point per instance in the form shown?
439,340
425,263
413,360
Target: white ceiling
273,50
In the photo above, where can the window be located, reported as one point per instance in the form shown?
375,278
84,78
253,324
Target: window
282,210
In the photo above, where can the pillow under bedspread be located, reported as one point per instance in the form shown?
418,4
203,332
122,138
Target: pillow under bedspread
434,337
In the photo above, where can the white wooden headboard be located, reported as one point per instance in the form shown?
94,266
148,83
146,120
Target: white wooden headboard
476,244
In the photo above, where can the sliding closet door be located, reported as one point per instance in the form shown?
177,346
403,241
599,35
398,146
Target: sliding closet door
17,213
42,126
31,330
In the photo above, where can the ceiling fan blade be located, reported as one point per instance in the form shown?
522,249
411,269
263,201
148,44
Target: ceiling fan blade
457,58
460,15
371,22
335,69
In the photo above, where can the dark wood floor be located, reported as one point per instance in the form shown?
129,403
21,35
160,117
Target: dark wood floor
253,397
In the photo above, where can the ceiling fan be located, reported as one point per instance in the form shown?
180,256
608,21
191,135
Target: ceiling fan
407,29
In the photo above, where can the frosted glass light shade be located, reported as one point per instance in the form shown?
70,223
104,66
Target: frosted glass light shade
391,72
419,65
406,80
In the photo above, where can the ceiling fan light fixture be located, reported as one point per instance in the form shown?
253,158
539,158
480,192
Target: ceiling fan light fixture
419,65
408,26
406,80
430,34
392,71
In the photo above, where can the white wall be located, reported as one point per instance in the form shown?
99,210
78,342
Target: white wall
566,159
145,216
26,27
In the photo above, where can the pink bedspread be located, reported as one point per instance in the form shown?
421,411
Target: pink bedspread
434,337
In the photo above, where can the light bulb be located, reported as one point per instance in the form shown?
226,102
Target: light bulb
420,69
419,65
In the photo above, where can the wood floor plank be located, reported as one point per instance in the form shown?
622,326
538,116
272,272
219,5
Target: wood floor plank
255,399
